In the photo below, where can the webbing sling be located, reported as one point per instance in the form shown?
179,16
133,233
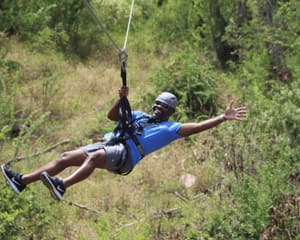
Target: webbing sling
125,109
125,116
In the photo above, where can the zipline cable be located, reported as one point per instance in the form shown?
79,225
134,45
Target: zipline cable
102,26
122,52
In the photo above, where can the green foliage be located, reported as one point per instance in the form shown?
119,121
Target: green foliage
262,155
192,81
64,26
249,212
44,38
47,91
253,190
27,134
177,24
286,114
9,80
23,217
44,93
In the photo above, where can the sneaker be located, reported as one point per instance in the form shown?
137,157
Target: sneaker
13,178
55,185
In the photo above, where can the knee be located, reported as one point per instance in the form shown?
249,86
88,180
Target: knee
63,158
97,159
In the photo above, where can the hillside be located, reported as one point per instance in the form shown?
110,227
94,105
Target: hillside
60,74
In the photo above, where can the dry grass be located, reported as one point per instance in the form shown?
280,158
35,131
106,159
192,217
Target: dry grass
86,91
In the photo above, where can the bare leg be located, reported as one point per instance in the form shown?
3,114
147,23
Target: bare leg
67,159
96,160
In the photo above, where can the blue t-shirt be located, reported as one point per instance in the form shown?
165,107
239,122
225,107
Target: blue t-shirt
153,137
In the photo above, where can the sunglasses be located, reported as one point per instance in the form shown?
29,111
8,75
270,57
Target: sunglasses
164,105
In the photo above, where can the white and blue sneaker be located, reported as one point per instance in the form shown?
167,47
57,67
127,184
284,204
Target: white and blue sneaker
55,185
13,178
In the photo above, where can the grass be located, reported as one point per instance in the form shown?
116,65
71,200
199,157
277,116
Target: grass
244,184
78,110
152,200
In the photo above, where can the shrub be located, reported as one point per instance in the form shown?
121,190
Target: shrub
23,217
192,81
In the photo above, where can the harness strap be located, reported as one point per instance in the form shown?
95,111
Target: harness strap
130,128
138,145
139,129
136,142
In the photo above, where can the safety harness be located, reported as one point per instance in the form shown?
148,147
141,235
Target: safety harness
130,129
126,127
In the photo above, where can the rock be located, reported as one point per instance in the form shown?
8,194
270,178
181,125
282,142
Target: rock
187,180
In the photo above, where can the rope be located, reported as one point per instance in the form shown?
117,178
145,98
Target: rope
128,26
123,54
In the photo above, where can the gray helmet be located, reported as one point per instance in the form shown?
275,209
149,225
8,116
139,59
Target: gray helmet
168,98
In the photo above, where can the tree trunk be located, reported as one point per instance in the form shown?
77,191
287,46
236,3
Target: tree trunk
224,51
276,52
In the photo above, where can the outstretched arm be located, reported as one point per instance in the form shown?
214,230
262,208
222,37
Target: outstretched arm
230,113
113,113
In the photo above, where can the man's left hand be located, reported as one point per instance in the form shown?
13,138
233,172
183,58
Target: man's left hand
235,113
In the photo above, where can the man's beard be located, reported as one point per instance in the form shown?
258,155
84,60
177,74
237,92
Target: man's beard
158,114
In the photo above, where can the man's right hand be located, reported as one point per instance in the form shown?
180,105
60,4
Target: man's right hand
123,91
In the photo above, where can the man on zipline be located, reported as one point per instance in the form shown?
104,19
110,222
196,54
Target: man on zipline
120,155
